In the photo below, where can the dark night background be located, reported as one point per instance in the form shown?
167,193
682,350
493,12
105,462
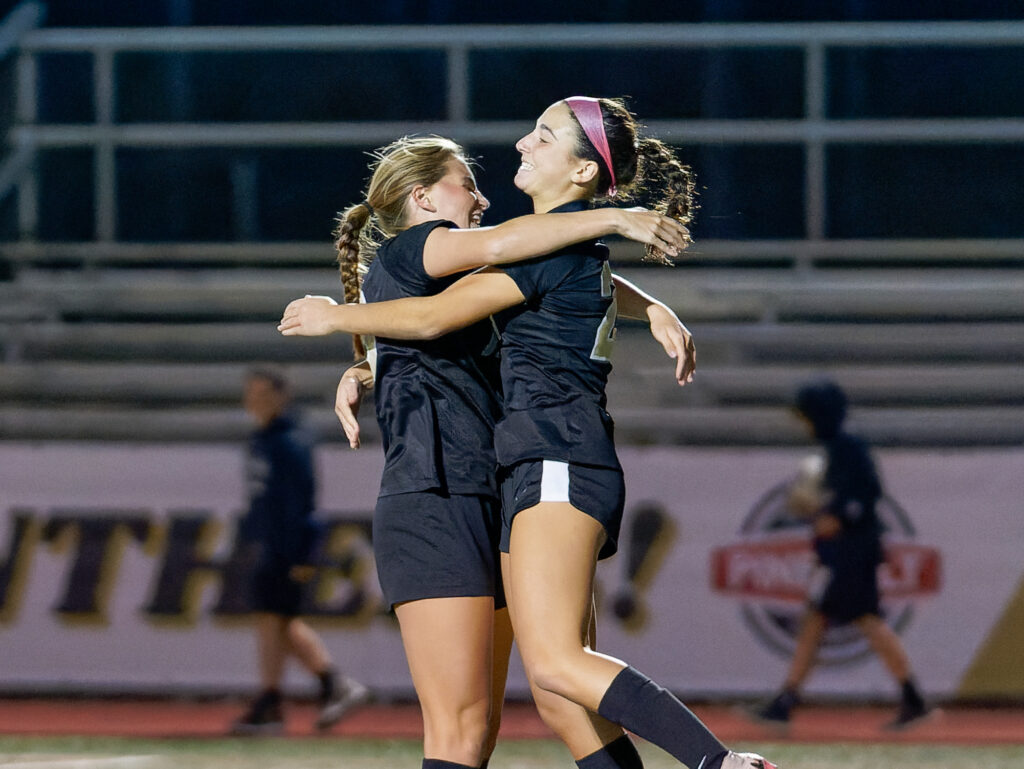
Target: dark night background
747,191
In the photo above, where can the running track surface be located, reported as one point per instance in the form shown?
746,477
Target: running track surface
173,718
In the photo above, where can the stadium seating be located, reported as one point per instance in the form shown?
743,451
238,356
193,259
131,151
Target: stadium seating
930,357
105,337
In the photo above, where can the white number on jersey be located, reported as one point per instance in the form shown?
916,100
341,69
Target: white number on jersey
605,340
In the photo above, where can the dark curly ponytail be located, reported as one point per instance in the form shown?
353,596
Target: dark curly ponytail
641,165
659,170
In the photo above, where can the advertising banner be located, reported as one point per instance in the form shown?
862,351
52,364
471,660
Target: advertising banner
118,572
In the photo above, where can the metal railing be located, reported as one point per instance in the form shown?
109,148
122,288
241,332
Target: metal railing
814,131
13,28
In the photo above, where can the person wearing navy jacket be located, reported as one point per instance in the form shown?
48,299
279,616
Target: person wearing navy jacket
280,536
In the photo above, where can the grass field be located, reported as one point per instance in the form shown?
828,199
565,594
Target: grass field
264,753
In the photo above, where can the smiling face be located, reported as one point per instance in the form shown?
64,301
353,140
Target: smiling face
455,196
550,172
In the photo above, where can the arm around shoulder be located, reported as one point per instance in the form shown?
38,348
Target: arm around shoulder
448,251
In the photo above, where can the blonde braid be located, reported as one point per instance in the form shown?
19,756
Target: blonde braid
350,240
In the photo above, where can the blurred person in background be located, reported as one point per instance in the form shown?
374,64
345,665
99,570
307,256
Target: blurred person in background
838,497
280,536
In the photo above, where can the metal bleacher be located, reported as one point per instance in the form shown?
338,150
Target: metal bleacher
113,340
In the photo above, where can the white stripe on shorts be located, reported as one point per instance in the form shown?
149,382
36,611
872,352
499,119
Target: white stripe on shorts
554,481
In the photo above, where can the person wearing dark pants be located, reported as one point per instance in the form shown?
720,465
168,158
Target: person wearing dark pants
280,535
840,502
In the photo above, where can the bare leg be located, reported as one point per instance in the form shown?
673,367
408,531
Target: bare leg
887,646
264,714
307,646
582,731
779,708
812,629
553,553
503,638
273,648
449,646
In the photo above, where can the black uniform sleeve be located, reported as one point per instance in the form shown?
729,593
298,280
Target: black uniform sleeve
853,481
537,277
403,260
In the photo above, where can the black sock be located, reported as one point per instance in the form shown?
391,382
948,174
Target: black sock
788,697
635,702
437,763
485,763
266,702
911,696
328,683
617,754
624,752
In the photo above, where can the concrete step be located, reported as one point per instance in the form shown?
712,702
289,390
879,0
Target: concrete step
685,425
734,343
705,295
650,384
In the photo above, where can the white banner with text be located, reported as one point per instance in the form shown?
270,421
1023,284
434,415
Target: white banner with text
118,572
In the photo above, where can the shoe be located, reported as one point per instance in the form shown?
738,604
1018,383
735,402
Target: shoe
263,717
348,694
778,710
746,761
910,714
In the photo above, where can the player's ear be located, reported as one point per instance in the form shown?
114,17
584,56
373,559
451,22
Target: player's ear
586,172
420,196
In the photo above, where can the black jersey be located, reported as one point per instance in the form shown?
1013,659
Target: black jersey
852,480
436,404
555,352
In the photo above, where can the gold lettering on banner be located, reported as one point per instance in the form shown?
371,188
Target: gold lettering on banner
94,541
188,565
15,564
199,566
345,570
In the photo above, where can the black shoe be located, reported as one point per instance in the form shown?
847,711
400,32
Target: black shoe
778,710
263,717
910,714
348,694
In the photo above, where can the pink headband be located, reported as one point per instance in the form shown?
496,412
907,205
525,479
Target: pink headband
588,112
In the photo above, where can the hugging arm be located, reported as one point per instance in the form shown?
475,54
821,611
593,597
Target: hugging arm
664,323
354,382
466,301
448,251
